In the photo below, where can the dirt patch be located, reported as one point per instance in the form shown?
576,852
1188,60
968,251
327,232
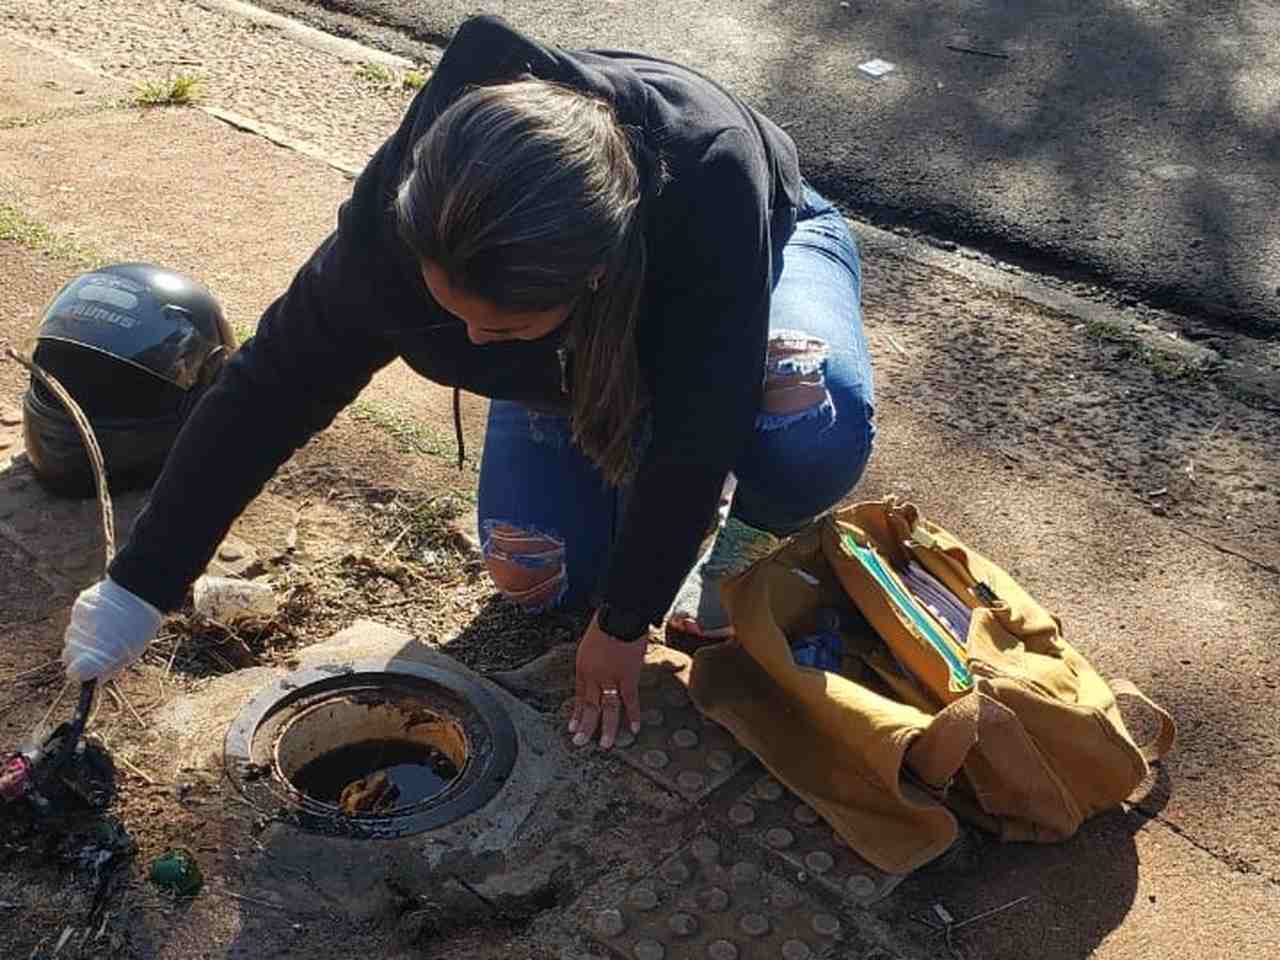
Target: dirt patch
71,90
32,278
30,671
359,523
344,532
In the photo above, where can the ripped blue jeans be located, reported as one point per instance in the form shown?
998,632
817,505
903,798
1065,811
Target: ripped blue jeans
547,519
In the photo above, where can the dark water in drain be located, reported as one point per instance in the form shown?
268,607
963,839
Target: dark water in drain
418,770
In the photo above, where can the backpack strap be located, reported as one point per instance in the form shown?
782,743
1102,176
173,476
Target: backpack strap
938,753
1164,740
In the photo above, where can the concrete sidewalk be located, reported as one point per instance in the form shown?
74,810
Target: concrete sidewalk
1098,474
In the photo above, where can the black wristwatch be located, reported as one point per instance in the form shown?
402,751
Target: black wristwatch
627,627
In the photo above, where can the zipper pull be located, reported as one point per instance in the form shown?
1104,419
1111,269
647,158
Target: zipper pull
562,353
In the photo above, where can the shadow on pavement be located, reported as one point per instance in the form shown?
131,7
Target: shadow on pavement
1079,892
1131,143
1124,142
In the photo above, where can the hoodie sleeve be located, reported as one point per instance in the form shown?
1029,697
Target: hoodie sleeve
315,349
713,319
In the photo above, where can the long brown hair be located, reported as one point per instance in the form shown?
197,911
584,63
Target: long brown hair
522,193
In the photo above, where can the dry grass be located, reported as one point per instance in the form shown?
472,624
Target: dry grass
17,227
181,90
376,73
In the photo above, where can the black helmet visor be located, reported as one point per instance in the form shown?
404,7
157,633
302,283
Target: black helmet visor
104,312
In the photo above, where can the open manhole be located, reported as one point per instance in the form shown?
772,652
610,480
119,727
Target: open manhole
375,749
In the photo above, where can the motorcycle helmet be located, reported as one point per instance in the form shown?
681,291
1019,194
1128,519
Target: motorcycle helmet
136,346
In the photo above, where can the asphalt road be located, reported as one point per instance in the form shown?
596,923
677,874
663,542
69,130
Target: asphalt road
1133,144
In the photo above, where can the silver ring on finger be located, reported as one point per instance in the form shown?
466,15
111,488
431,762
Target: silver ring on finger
609,693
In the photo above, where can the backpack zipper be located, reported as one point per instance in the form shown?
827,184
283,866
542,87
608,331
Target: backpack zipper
921,539
915,615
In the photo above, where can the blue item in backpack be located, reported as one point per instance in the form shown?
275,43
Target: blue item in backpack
823,650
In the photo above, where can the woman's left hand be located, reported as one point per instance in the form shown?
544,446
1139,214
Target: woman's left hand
608,679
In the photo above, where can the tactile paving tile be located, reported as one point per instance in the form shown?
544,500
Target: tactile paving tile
707,904
677,746
772,816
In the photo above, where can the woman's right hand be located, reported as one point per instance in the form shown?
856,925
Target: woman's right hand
110,628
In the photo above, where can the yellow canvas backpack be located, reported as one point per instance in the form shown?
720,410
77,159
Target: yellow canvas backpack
998,722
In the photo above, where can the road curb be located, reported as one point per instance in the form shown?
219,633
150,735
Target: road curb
267,131
1245,380
342,47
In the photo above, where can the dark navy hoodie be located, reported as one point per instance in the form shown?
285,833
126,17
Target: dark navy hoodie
714,236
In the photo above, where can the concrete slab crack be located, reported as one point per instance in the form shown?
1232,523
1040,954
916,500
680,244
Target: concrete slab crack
1235,864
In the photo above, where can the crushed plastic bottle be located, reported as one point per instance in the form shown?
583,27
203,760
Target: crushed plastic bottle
227,600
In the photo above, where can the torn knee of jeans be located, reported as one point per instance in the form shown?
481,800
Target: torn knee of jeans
795,386
527,567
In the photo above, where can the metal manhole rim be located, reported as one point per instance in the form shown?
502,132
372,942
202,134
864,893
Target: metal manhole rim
326,808
453,803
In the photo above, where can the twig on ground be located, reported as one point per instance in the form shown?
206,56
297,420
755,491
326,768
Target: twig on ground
122,702
222,661
976,52
52,707
14,678
895,344
168,669
122,759
62,941
329,561
138,771
229,634
261,903
946,925
395,543
989,913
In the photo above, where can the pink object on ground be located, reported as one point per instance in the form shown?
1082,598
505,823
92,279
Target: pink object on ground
15,778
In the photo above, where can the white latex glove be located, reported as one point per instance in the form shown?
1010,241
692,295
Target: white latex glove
110,628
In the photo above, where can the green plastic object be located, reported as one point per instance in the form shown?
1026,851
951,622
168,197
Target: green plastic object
178,872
